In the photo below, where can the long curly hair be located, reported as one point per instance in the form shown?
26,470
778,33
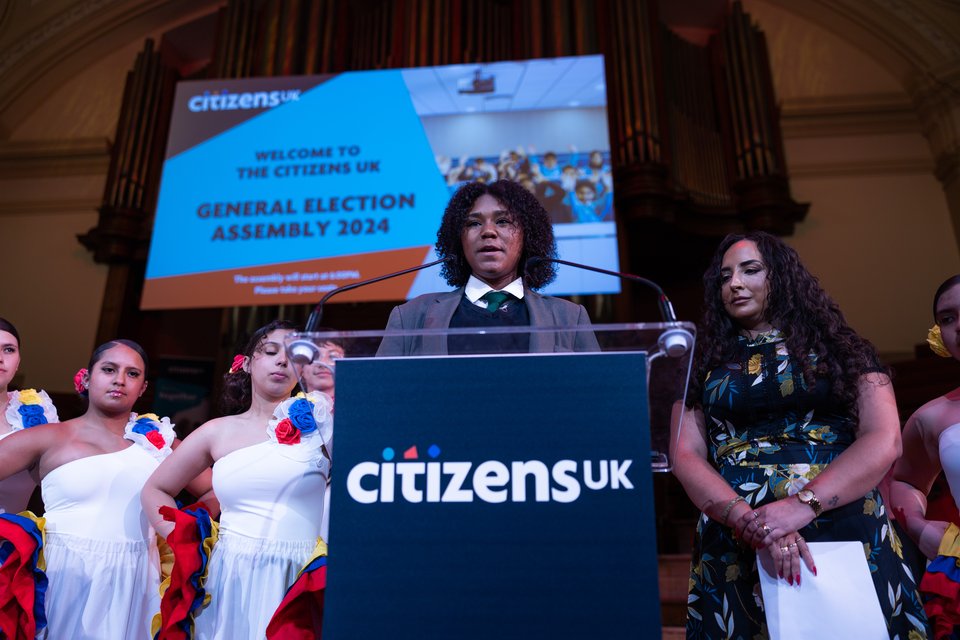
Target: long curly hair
237,387
810,321
533,219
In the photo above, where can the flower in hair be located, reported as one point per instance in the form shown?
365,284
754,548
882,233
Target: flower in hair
78,383
237,365
935,341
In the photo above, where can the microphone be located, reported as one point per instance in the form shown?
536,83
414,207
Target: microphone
303,351
674,341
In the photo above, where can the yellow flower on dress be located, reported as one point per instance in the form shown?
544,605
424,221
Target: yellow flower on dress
895,543
786,387
733,572
869,506
753,365
29,396
935,341
916,635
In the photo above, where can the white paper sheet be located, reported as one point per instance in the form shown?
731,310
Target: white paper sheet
839,602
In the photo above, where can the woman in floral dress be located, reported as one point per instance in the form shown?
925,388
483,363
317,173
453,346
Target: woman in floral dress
792,424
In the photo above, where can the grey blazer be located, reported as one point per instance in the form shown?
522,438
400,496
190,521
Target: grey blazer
435,310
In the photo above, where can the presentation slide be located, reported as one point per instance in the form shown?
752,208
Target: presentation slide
278,190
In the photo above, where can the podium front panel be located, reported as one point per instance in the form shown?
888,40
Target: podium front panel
492,497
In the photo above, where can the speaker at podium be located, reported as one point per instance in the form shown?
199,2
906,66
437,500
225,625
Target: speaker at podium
498,494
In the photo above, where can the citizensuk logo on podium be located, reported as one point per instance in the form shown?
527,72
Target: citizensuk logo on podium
223,100
413,480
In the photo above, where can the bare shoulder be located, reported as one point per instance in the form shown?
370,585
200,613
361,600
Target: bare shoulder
938,414
875,379
47,436
212,430
227,434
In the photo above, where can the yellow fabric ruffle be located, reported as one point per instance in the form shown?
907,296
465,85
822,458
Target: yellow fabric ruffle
41,524
166,567
950,542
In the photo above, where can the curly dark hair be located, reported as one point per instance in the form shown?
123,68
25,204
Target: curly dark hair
811,323
237,387
533,219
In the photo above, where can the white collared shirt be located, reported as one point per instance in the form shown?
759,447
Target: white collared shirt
477,288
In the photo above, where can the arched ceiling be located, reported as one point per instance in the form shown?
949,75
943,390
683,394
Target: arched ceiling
44,42
907,37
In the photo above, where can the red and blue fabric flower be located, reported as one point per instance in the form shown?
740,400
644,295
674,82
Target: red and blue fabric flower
941,586
146,426
153,433
302,416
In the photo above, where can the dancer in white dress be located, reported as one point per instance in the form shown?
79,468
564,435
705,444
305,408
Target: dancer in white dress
18,410
931,443
101,559
269,473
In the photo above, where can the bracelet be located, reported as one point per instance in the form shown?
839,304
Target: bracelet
727,509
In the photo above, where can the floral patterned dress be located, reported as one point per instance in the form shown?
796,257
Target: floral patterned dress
768,435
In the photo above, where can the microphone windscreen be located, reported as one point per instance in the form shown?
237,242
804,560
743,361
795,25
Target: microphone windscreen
302,351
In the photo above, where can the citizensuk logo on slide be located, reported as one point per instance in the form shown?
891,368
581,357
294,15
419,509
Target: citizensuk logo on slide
410,479
223,100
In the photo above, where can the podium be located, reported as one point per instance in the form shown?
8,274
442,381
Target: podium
484,489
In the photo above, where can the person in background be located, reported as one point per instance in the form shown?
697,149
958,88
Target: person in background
586,205
270,469
18,410
547,169
320,376
598,172
791,424
931,444
483,171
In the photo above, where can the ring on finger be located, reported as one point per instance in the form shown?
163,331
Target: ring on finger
784,549
792,544
765,528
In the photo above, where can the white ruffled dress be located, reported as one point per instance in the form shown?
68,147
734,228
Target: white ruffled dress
101,554
16,490
271,496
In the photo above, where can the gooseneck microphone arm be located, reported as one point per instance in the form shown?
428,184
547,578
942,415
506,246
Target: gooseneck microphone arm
317,314
674,341
666,308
